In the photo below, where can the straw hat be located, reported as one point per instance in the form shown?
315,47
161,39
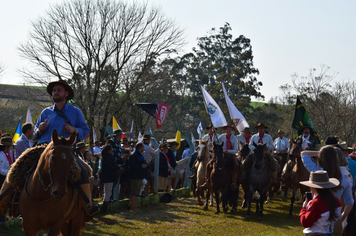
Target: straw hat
320,179
80,145
280,131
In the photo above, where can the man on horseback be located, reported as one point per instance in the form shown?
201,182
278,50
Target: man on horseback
66,119
230,149
210,137
308,140
245,137
262,138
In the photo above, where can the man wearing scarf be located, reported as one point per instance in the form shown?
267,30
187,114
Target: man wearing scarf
262,138
309,141
244,137
211,137
230,150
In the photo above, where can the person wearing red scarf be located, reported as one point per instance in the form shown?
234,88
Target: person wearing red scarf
230,150
164,168
261,138
244,137
211,136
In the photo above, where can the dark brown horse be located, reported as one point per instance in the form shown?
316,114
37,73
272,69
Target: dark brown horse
259,179
221,180
49,201
294,172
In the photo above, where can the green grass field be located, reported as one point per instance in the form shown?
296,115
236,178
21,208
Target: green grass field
184,217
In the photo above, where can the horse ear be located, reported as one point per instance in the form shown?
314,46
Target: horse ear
72,138
54,136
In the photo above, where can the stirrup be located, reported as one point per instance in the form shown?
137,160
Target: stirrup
89,207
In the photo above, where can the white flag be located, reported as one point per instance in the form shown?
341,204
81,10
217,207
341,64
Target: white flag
200,130
29,116
151,131
193,139
235,114
140,137
216,115
131,130
94,134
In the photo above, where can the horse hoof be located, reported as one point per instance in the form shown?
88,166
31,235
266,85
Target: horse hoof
200,203
217,212
233,210
226,209
205,208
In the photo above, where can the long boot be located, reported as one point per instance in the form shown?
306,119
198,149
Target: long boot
151,184
104,209
92,208
5,196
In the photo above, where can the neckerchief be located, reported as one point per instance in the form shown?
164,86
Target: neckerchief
211,137
260,139
169,163
8,156
228,142
248,139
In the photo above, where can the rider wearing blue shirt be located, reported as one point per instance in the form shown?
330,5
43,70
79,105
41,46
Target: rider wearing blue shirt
55,120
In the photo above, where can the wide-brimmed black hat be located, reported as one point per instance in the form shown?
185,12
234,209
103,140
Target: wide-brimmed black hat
210,126
320,179
6,141
230,124
261,125
64,84
80,145
146,136
306,126
117,132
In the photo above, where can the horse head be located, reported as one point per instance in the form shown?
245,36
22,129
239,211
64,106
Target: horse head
296,150
203,151
219,155
244,150
258,154
58,160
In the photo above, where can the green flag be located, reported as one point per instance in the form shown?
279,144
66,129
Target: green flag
301,119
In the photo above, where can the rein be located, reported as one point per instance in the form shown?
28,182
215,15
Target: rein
44,187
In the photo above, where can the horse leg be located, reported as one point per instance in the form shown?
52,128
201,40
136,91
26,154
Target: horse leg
292,200
249,203
224,199
207,199
200,192
216,191
262,199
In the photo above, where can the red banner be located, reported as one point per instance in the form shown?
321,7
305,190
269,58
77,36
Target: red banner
161,113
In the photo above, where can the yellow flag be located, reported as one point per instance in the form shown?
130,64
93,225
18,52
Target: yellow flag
115,125
178,136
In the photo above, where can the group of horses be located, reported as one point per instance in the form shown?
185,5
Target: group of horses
258,179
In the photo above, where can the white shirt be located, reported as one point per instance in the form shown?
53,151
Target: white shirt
281,144
267,139
186,153
149,152
4,164
96,150
233,141
305,141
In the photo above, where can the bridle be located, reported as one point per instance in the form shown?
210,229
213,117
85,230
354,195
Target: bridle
44,187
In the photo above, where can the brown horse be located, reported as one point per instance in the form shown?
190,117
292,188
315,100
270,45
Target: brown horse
294,172
49,201
221,179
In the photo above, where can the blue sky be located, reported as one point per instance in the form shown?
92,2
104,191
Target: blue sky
286,36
